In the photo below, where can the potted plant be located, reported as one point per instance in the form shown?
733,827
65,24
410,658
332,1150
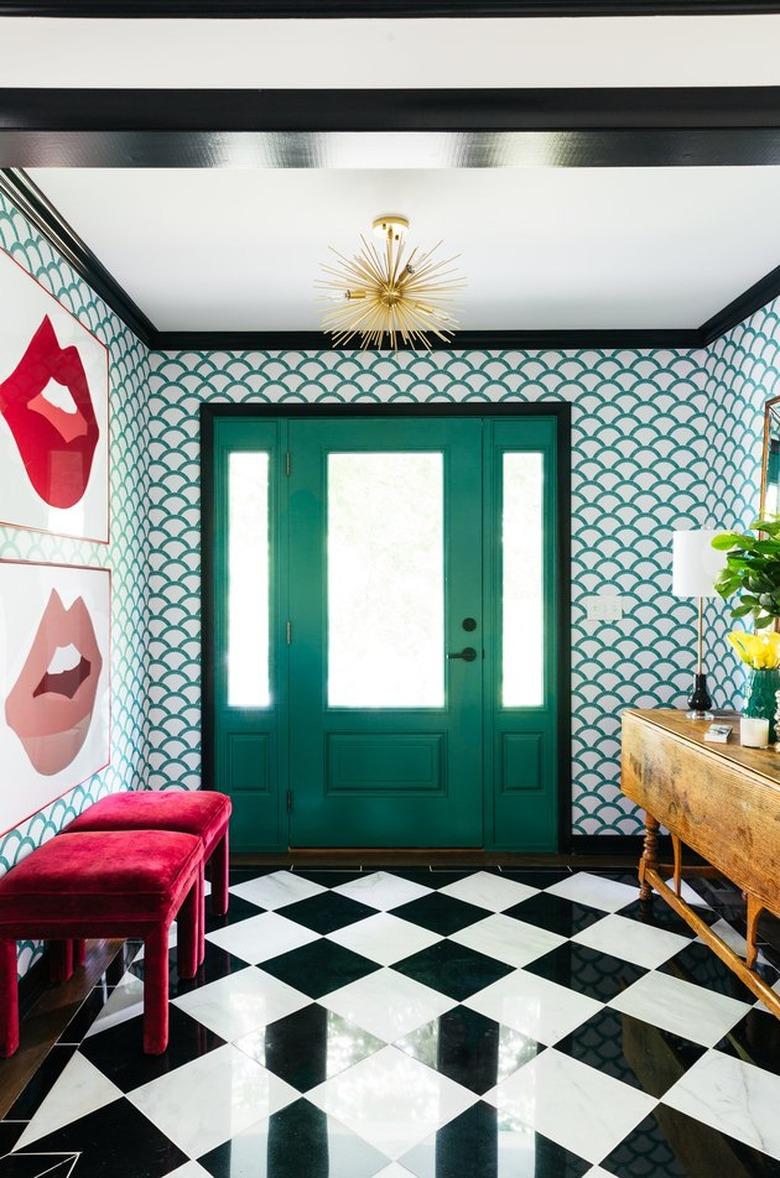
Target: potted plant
752,574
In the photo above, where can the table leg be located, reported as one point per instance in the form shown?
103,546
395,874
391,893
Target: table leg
677,851
754,910
649,856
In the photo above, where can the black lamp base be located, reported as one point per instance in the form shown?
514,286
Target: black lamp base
700,701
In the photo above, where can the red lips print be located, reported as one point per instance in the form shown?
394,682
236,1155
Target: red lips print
56,446
51,704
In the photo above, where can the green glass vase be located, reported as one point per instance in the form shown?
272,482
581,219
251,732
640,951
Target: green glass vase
761,701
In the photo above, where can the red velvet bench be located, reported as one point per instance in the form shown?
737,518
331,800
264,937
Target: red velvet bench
203,813
113,884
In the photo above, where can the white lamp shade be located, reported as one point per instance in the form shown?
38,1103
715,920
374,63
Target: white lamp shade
695,563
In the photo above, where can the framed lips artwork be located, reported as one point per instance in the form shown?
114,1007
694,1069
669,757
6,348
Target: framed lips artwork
53,414
55,700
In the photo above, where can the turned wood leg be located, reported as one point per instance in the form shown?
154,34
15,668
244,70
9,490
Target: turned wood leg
754,910
677,851
649,856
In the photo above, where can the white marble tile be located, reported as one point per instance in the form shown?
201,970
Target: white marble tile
598,1172
534,1006
387,1004
632,941
80,1089
511,941
393,1171
241,1002
580,1108
125,1001
391,1101
383,891
207,1101
276,889
384,938
681,1007
732,938
691,896
733,1096
486,890
259,938
189,1170
598,891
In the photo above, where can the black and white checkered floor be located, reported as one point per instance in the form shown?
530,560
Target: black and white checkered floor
437,1024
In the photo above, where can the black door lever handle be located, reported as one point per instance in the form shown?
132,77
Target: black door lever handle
468,654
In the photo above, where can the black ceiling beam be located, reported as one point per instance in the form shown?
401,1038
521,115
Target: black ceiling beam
373,9
605,127
742,307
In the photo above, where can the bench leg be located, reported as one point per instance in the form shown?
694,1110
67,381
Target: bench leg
220,880
156,991
60,961
202,916
9,999
189,925
79,952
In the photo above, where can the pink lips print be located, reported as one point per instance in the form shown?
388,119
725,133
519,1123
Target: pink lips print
51,704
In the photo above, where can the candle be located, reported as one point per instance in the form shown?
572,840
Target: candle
753,733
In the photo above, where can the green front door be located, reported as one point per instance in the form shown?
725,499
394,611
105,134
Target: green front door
385,594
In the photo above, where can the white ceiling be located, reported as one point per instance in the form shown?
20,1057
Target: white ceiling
601,51
541,247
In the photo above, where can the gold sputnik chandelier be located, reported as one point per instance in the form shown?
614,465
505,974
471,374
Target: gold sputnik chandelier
390,293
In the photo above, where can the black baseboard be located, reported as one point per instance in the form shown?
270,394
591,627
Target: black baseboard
616,844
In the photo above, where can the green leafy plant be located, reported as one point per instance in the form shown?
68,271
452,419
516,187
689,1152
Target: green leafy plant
752,571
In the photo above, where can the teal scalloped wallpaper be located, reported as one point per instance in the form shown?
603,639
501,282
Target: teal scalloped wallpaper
641,464
127,553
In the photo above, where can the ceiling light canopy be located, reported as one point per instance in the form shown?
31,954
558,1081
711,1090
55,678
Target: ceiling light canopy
391,296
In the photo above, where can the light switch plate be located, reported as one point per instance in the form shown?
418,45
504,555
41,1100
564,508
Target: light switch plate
604,607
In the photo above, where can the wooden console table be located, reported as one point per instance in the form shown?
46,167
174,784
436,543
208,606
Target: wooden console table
722,801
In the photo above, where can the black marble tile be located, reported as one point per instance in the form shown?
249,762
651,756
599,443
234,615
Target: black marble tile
453,969
480,1144
114,1142
35,1165
117,1053
319,967
328,877
216,964
440,914
472,1050
86,1014
631,1050
599,975
698,964
537,877
310,1046
10,1132
300,1141
656,913
120,964
239,875
238,910
555,914
669,1144
327,912
755,1039
30,1099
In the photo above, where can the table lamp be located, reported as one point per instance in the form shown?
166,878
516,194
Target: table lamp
695,568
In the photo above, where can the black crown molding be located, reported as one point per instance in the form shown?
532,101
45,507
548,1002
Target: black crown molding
34,205
373,9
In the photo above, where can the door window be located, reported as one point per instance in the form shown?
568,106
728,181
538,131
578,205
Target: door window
385,595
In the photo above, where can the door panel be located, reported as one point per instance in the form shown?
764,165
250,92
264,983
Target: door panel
250,716
385,563
521,586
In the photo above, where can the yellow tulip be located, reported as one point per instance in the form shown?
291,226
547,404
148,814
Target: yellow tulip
759,651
